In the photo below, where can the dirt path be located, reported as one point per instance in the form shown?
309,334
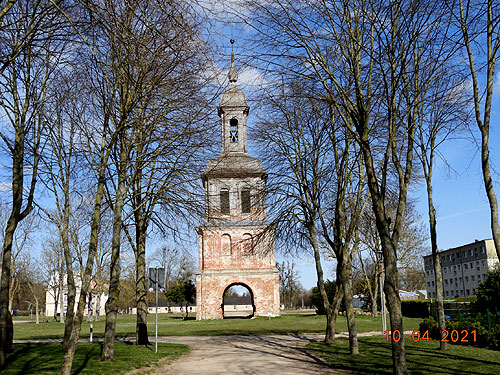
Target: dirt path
270,354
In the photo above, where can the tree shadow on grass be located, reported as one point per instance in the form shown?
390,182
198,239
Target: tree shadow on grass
375,357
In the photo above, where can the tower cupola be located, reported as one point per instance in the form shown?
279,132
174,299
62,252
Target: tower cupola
233,111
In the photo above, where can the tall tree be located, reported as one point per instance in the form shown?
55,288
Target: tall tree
171,125
369,56
443,115
34,54
479,23
314,180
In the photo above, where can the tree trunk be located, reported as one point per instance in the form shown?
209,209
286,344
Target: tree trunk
68,259
435,258
351,320
394,305
86,277
98,306
114,281
61,297
373,297
391,281
37,313
6,326
330,316
490,191
141,333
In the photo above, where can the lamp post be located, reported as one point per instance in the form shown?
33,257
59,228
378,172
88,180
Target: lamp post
381,287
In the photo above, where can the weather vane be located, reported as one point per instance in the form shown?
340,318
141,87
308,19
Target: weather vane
232,39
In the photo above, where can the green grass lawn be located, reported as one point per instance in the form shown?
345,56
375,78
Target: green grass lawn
46,358
422,357
169,325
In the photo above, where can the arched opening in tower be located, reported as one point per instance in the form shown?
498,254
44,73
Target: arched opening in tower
238,302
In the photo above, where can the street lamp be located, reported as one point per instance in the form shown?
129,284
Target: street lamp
382,299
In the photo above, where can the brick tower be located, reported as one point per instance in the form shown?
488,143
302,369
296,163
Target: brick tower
236,244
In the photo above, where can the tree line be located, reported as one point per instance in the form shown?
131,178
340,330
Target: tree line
106,110
361,95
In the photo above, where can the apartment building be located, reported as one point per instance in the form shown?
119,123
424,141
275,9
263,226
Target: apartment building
462,268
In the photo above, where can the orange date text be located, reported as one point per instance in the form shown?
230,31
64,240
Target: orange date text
446,336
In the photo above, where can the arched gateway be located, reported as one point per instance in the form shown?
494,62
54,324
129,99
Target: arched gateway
236,244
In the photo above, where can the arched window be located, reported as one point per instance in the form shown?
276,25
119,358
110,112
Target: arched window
245,201
224,201
233,132
225,244
247,244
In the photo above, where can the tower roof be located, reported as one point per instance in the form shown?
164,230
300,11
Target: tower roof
234,165
233,97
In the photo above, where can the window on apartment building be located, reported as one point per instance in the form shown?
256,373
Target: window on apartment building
445,281
459,267
468,292
466,267
471,252
483,250
445,269
454,268
473,278
465,254
471,265
484,263
432,282
446,293
428,284
466,279
443,259
458,254
449,257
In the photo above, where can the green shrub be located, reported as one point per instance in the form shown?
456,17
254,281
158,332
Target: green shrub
415,309
483,338
430,324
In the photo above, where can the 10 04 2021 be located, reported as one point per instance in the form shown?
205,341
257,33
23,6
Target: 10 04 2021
455,336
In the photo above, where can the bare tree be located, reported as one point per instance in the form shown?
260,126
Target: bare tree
33,58
445,115
479,23
170,124
370,57
312,179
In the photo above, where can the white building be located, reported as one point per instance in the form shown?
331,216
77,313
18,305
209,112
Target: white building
54,291
462,268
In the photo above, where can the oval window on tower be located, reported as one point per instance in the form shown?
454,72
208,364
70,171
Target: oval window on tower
233,132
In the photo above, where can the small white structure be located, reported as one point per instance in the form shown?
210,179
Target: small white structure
94,304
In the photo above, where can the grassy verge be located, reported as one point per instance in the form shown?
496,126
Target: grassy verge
46,358
169,325
422,357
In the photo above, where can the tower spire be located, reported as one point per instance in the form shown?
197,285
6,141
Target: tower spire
233,74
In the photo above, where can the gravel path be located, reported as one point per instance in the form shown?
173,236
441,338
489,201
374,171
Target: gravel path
270,354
